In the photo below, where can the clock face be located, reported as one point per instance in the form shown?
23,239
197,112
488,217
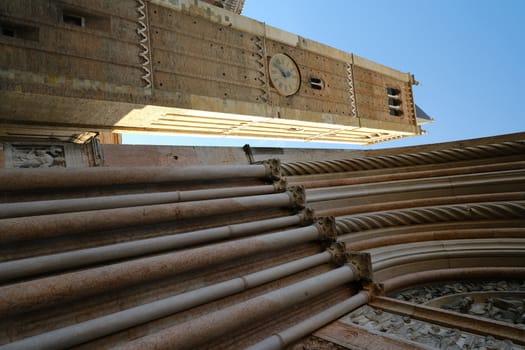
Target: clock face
284,74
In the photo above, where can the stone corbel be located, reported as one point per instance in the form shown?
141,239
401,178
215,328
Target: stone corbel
298,196
339,254
374,289
307,216
363,263
273,168
280,185
326,227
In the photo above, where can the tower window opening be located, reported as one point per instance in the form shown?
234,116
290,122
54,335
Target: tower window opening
19,31
394,101
393,92
316,83
396,112
8,31
83,19
74,20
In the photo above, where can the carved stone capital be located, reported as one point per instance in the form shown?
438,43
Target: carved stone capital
279,185
363,263
339,254
326,227
297,196
273,168
307,216
374,289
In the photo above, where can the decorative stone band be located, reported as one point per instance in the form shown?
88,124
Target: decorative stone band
351,92
260,57
425,215
407,159
142,31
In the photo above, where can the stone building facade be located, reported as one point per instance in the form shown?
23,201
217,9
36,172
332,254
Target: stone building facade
104,245
188,247
186,67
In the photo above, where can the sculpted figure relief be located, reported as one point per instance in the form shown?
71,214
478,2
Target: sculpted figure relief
424,294
428,334
505,308
38,156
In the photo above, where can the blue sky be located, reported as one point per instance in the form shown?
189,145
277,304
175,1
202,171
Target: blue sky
468,55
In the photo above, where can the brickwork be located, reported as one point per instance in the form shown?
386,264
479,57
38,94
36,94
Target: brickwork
186,67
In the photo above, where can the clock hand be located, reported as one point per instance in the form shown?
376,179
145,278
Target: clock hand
284,73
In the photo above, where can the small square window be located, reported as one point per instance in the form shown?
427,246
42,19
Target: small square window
19,31
6,31
316,83
80,18
394,102
393,91
74,20
396,112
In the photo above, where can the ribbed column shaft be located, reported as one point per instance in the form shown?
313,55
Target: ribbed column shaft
191,334
45,226
288,336
30,179
128,200
75,285
89,330
48,263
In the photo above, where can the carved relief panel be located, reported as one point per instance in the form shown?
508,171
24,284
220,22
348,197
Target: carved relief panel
44,155
429,335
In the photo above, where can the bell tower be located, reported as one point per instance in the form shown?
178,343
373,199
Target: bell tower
71,70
